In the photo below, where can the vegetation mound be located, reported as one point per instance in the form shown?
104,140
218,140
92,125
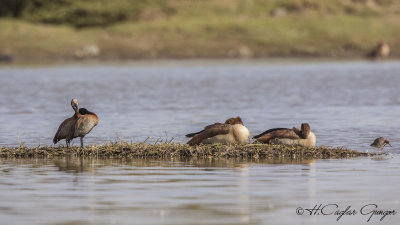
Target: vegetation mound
182,151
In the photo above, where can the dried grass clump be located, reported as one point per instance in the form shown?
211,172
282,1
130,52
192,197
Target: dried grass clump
182,151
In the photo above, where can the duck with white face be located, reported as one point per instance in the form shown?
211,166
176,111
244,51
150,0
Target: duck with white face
231,132
65,127
286,136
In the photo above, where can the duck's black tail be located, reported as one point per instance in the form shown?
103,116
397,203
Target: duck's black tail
192,134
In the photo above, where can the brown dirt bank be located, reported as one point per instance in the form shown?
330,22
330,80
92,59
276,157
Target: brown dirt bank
307,35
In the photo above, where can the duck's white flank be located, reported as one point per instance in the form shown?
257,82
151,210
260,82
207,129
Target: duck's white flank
238,134
241,133
310,141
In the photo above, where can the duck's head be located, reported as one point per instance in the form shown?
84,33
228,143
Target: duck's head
74,104
235,120
305,130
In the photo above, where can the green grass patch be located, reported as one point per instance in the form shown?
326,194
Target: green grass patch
200,29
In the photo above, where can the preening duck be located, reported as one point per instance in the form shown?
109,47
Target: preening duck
65,127
286,136
231,132
83,125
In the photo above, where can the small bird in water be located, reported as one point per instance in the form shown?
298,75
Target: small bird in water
65,127
231,132
83,125
380,143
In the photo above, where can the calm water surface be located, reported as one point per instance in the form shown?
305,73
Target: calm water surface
346,103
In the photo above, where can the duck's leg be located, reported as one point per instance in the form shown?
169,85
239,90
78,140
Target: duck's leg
81,142
67,142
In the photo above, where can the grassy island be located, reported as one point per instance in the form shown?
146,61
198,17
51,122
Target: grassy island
182,151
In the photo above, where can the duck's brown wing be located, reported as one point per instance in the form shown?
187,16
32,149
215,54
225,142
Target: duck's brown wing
84,125
277,133
205,128
63,130
269,131
209,131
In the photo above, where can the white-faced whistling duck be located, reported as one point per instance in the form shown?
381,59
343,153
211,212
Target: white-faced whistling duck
65,127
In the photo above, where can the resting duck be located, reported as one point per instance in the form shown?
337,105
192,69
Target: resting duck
65,127
231,132
83,125
285,136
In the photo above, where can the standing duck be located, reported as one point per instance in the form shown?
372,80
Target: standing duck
285,136
231,132
66,126
83,125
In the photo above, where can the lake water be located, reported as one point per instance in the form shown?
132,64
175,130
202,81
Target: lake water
346,103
